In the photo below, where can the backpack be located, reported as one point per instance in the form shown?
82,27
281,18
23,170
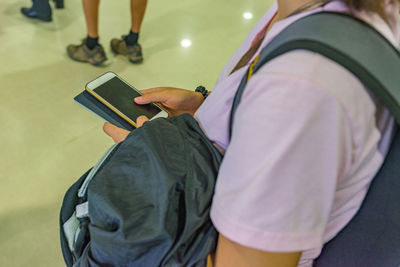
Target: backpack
147,201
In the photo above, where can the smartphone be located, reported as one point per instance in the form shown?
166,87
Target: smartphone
118,96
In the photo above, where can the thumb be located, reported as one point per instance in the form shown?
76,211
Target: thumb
140,120
150,97
116,133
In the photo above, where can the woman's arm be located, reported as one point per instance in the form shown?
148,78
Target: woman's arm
233,254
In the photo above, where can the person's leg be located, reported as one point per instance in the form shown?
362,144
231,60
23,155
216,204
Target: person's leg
42,6
138,8
59,3
91,11
90,50
128,45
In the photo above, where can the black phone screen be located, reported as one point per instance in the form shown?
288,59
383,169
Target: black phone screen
120,95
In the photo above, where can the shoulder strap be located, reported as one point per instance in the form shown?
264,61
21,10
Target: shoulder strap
346,40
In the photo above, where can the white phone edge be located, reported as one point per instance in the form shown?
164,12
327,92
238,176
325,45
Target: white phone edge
161,114
100,80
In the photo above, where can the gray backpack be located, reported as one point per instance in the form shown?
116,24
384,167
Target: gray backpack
146,203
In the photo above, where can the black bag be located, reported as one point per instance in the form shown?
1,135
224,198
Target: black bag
147,201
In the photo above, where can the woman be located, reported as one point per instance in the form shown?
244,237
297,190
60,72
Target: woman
307,140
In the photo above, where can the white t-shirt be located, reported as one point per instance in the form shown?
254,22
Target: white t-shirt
307,140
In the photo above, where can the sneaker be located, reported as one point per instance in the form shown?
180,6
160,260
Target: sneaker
133,53
82,53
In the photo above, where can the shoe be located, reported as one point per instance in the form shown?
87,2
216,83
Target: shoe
59,3
133,53
32,14
82,53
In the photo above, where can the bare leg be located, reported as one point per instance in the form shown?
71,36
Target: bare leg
128,45
91,10
138,7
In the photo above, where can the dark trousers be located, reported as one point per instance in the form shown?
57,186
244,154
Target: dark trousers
42,7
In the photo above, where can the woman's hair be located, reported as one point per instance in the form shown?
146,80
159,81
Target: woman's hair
368,5
376,6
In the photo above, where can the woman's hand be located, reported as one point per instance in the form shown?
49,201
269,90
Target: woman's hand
174,100
119,134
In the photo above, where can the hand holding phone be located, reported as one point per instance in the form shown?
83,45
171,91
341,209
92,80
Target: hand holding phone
118,96
175,101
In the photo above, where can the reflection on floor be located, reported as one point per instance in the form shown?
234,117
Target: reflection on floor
46,140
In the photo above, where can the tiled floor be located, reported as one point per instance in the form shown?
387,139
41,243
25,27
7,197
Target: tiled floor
46,140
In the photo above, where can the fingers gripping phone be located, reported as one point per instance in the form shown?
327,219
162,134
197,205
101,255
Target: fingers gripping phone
118,96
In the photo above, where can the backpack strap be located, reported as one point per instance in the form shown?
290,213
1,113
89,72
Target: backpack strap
348,41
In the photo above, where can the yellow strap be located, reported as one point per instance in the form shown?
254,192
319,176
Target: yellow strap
209,261
251,67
